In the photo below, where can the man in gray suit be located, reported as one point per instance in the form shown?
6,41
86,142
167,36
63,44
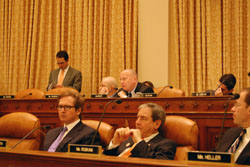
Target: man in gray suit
64,76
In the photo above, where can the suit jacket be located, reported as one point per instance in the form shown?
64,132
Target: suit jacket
139,88
157,148
72,79
228,139
80,134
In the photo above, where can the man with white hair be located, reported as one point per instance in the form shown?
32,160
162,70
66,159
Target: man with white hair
108,86
130,85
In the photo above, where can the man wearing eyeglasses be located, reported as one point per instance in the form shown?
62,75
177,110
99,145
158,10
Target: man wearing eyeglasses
74,131
64,76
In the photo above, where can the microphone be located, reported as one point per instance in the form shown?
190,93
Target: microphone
118,101
171,87
234,97
32,131
249,74
26,95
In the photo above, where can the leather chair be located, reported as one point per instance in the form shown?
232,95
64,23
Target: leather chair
169,92
184,132
58,91
14,126
30,94
106,131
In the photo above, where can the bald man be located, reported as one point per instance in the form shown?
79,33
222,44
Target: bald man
108,86
130,85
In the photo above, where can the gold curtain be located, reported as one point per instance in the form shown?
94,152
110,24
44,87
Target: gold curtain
99,35
212,38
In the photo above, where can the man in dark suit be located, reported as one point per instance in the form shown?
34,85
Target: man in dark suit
226,85
237,140
64,76
130,85
145,141
73,131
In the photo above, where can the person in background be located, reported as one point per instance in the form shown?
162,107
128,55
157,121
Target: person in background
237,140
108,86
130,85
226,85
73,131
64,76
145,141
148,83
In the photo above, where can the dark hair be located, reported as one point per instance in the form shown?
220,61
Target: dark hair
247,98
229,80
158,113
148,83
78,101
62,54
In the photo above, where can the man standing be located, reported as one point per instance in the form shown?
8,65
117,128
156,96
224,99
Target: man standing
74,131
237,140
145,141
130,85
64,76
108,86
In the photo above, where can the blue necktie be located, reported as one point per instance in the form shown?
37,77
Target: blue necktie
55,144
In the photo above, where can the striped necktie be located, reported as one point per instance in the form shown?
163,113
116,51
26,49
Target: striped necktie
236,143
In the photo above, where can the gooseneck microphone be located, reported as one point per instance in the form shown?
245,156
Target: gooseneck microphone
27,95
234,97
118,101
32,131
171,87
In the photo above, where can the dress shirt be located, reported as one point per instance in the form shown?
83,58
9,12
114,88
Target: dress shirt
70,126
65,72
244,142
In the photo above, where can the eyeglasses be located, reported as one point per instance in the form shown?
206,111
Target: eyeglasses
66,108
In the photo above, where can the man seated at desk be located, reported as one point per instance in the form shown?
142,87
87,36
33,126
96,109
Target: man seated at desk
145,141
226,85
130,85
108,86
237,140
74,131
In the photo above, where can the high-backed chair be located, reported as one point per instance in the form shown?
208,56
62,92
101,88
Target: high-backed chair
184,132
168,92
16,125
58,91
30,94
106,131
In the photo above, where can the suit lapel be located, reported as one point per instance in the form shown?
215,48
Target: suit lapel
56,75
67,76
71,135
244,155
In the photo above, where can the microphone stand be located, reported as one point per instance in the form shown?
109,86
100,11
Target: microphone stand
32,131
118,101
236,96
171,87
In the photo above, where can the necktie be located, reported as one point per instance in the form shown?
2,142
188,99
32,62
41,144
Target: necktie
129,94
61,77
127,152
54,145
236,143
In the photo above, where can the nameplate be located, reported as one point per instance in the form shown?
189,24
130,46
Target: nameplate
98,96
146,94
205,156
51,96
3,143
85,149
201,94
7,96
